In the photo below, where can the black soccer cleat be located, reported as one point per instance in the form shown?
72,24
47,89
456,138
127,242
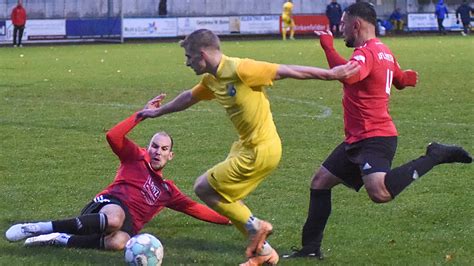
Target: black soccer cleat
442,153
305,252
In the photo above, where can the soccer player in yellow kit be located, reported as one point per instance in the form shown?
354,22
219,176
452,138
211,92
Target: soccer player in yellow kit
239,85
288,22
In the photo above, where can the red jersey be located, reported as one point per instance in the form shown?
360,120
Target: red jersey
18,16
366,94
143,190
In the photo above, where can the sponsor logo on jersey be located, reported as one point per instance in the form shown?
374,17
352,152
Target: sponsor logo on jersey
150,191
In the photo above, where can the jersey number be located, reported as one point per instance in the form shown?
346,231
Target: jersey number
388,81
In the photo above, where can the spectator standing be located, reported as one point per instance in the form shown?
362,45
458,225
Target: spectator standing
334,14
18,17
162,9
464,12
441,13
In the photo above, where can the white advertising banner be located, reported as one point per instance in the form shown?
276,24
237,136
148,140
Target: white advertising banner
39,29
259,24
45,28
219,25
428,22
150,27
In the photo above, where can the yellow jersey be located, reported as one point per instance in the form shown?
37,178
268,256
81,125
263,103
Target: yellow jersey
287,8
240,87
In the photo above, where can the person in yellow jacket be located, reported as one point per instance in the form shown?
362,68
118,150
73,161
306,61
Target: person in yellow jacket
287,19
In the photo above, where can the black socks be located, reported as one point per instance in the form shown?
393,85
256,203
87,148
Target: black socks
95,223
318,214
399,178
95,241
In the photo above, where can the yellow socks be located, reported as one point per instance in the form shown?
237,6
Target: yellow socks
237,212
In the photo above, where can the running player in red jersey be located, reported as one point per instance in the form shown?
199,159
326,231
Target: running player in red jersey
120,211
364,158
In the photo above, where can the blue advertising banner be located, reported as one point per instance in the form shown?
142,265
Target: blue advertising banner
93,28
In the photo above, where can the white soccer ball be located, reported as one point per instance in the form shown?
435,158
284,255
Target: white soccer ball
144,249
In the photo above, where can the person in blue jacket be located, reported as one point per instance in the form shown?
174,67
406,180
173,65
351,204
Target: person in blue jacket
464,12
334,14
441,13
397,20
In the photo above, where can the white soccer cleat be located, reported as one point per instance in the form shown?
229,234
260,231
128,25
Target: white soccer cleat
53,239
22,231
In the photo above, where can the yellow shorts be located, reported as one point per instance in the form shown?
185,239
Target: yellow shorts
244,168
287,21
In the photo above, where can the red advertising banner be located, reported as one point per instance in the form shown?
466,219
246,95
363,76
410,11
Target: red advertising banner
306,24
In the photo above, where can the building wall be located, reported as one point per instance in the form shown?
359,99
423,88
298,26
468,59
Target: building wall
149,8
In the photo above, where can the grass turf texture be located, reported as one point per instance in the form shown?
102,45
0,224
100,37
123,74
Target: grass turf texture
56,103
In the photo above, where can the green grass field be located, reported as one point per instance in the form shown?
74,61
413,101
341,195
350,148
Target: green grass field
56,103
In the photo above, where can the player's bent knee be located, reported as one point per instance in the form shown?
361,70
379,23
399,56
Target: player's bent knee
201,187
116,241
115,222
378,197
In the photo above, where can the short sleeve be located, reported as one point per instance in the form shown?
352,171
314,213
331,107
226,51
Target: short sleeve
257,73
201,92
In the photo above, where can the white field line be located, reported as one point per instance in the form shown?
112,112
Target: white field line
325,110
325,113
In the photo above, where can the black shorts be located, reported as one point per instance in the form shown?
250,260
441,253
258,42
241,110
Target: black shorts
100,201
350,162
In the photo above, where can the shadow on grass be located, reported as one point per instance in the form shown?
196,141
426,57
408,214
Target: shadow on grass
177,251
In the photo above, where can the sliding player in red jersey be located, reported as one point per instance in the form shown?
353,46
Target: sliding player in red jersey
120,211
365,157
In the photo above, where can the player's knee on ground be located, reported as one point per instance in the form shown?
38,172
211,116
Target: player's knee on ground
116,240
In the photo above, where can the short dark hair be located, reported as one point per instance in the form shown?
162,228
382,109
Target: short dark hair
364,11
198,39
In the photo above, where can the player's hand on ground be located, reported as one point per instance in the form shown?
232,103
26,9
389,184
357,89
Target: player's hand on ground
345,71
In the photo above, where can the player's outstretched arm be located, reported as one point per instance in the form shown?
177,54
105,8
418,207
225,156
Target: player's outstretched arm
181,102
405,78
183,203
305,72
